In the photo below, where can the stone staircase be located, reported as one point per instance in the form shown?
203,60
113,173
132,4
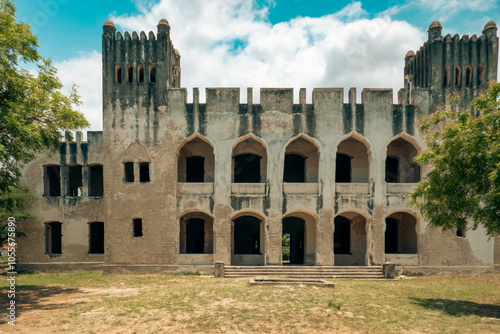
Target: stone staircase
320,272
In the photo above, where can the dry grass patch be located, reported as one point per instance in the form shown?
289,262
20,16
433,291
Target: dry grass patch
89,302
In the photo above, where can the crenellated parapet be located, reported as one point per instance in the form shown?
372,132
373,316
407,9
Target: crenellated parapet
138,67
446,65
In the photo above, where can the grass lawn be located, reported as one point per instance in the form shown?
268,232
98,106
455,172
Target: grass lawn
90,302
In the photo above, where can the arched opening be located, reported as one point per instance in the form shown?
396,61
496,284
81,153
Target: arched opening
196,161
400,234
293,240
130,73
468,76
249,162
74,180
349,239
301,161
447,75
247,241
399,164
458,73
481,75
118,74
52,180
96,180
96,238
152,73
140,73
352,162
196,234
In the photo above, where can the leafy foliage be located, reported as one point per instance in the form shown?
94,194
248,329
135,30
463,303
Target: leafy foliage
463,189
33,110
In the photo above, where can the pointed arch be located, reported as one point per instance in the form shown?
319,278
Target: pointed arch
353,156
301,161
136,151
249,160
196,232
350,241
400,166
401,232
300,227
248,212
196,160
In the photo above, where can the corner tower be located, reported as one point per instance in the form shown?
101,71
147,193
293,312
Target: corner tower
445,65
138,66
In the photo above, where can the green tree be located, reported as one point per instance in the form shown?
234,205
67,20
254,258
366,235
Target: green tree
33,110
462,190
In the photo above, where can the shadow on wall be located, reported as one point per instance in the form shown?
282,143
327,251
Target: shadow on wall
459,307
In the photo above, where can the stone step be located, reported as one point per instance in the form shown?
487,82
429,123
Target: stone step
332,272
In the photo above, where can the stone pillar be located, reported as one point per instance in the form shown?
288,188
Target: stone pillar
219,269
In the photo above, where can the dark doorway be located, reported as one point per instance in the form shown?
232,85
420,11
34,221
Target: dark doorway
195,169
247,168
295,168
391,236
96,238
75,180
195,236
342,236
247,235
96,180
391,170
343,168
52,180
53,236
295,228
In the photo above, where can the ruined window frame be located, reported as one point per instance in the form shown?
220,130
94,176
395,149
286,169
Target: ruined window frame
47,183
53,247
91,248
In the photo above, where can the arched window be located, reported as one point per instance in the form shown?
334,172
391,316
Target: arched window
447,75
399,164
130,73
196,233
249,162
468,77
481,75
301,161
152,73
196,161
352,161
118,74
140,73
400,233
458,73
247,235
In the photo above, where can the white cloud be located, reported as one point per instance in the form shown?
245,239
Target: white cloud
338,50
85,71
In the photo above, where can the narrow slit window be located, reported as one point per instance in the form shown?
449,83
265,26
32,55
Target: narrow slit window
96,180
447,75
140,73
481,75
152,73
75,180
144,172
118,74
53,238
137,227
130,73
458,72
468,76
52,180
96,238
129,171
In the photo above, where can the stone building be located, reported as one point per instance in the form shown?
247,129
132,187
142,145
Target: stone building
176,186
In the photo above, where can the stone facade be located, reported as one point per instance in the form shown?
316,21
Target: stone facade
175,186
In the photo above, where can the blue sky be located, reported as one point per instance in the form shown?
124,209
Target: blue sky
259,43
